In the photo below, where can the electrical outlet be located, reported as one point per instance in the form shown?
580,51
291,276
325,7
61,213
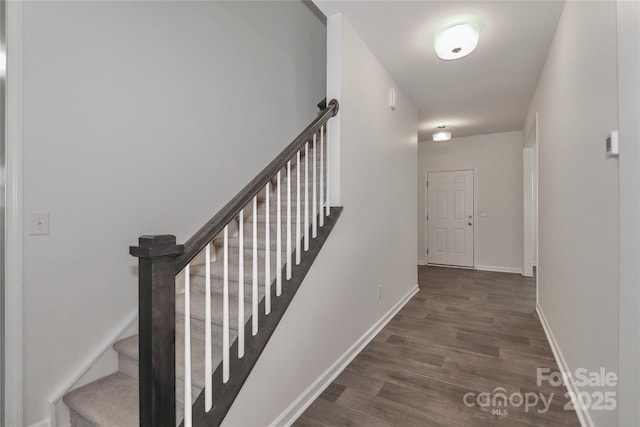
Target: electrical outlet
39,223
379,291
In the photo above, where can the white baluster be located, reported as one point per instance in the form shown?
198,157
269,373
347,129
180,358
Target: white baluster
225,309
254,283
267,254
241,285
328,175
298,244
208,348
321,176
314,219
187,345
289,220
279,239
306,196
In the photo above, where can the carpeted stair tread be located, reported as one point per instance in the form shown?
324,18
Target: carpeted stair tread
198,308
198,285
234,237
110,401
129,347
217,268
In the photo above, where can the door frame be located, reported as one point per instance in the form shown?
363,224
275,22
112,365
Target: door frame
530,199
475,217
531,240
14,228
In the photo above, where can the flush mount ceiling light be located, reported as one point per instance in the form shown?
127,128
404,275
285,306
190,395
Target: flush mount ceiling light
441,135
456,42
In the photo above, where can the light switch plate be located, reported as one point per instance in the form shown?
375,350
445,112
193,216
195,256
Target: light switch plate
39,224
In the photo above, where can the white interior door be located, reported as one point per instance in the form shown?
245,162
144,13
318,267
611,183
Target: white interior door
450,218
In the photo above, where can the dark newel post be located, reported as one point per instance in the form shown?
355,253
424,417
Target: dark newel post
157,328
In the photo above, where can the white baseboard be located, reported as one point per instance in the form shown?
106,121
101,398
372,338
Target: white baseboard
422,262
499,269
93,357
298,406
583,415
459,267
477,267
42,423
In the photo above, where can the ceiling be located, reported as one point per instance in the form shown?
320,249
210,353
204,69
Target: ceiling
489,90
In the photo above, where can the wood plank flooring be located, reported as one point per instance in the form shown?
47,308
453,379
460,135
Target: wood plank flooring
465,333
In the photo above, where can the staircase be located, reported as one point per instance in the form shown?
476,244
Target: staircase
260,245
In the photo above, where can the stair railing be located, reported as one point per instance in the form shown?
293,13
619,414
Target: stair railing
163,264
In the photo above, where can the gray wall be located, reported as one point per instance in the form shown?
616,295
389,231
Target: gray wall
629,181
578,190
140,118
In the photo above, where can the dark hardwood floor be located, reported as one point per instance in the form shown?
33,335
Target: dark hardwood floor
466,336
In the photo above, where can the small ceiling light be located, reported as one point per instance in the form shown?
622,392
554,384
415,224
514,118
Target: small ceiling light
457,41
441,135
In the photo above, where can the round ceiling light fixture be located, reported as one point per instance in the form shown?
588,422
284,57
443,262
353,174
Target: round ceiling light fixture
441,135
456,42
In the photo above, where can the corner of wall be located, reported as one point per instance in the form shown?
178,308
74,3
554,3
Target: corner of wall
14,258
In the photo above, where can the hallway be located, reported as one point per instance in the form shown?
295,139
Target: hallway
463,334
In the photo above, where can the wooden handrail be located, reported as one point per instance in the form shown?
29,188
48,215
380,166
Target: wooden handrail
216,224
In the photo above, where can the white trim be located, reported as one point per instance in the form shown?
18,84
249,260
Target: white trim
298,406
93,357
527,202
530,198
583,415
42,423
514,270
450,266
14,257
426,214
476,242
422,262
479,268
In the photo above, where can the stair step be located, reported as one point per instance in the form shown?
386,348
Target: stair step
273,218
198,285
111,401
128,362
234,241
217,267
198,310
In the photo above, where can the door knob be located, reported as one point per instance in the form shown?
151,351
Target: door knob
470,224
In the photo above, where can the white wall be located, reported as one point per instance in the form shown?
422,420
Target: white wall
576,100
497,161
374,242
143,117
